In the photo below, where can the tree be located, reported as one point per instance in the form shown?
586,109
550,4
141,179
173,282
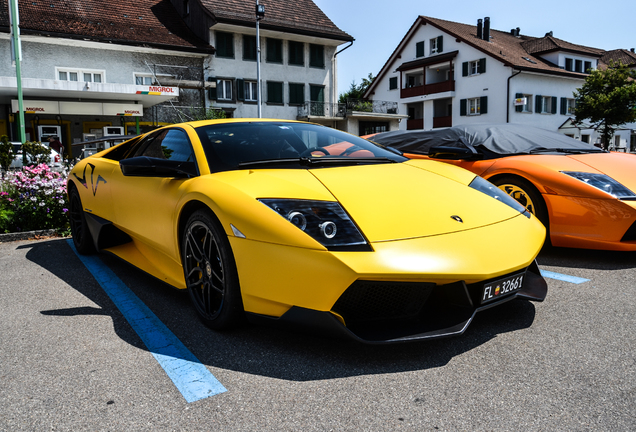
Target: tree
356,91
607,99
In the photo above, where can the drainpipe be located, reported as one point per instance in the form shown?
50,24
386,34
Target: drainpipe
334,78
508,96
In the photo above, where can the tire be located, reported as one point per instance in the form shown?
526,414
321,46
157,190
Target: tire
210,272
79,228
526,194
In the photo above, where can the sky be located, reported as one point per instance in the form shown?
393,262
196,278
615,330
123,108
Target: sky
378,26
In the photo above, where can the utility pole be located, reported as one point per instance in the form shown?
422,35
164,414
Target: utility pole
16,58
260,13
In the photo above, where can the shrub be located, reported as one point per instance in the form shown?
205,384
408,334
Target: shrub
34,199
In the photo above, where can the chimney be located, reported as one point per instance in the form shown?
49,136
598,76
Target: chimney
517,30
487,29
479,27
632,49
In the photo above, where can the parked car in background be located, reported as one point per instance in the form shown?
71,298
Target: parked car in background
584,195
55,161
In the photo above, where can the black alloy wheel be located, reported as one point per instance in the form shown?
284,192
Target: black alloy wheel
79,228
210,272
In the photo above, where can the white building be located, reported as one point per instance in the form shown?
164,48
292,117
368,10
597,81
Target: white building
445,73
299,45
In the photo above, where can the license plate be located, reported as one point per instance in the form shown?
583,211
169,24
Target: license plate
502,287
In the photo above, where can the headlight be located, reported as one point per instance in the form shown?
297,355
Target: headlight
483,185
604,183
325,221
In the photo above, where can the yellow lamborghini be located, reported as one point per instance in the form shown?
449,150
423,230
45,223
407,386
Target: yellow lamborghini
290,222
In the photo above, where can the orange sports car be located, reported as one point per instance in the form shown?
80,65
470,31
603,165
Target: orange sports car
583,195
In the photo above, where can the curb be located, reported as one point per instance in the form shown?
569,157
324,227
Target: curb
27,235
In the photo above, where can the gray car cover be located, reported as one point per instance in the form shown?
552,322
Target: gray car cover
503,139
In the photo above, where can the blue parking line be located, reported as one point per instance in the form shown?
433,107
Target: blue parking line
563,277
191,378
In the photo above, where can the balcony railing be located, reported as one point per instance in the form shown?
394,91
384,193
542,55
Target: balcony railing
324,109
445,121
415,124
321,109
427,89
374,106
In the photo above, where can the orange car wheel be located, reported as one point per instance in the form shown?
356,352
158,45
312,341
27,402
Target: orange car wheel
526,194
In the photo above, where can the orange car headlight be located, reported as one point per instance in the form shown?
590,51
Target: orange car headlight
604,183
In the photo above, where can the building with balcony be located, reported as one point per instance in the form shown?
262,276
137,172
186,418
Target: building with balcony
299,47
445,73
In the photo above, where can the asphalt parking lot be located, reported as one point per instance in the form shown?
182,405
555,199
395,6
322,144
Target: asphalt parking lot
70,360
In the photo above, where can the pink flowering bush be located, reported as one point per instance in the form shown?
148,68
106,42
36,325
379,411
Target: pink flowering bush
33,199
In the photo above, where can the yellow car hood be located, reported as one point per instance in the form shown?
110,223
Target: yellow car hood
412,199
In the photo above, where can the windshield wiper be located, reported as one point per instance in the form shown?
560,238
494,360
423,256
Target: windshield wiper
561,150
317,161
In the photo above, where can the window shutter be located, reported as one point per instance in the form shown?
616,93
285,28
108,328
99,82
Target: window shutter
482,66
465,69
440,46
537,104
554,105
483,105
212,91
462,107
419,49
240,89
519,108
564,106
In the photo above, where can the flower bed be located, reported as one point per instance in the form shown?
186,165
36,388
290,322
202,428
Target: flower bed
34,199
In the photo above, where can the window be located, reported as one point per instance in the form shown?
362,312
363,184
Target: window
224,89
246,90
274,50
588,67
585,138
569,64
567,106
545,104
393,83
296,94
473,106
316,56
224,45
249,47
296,53
419,49
578,66
143,79
171,145
274,92
186,8
436,45
527,106
475,67
80,75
